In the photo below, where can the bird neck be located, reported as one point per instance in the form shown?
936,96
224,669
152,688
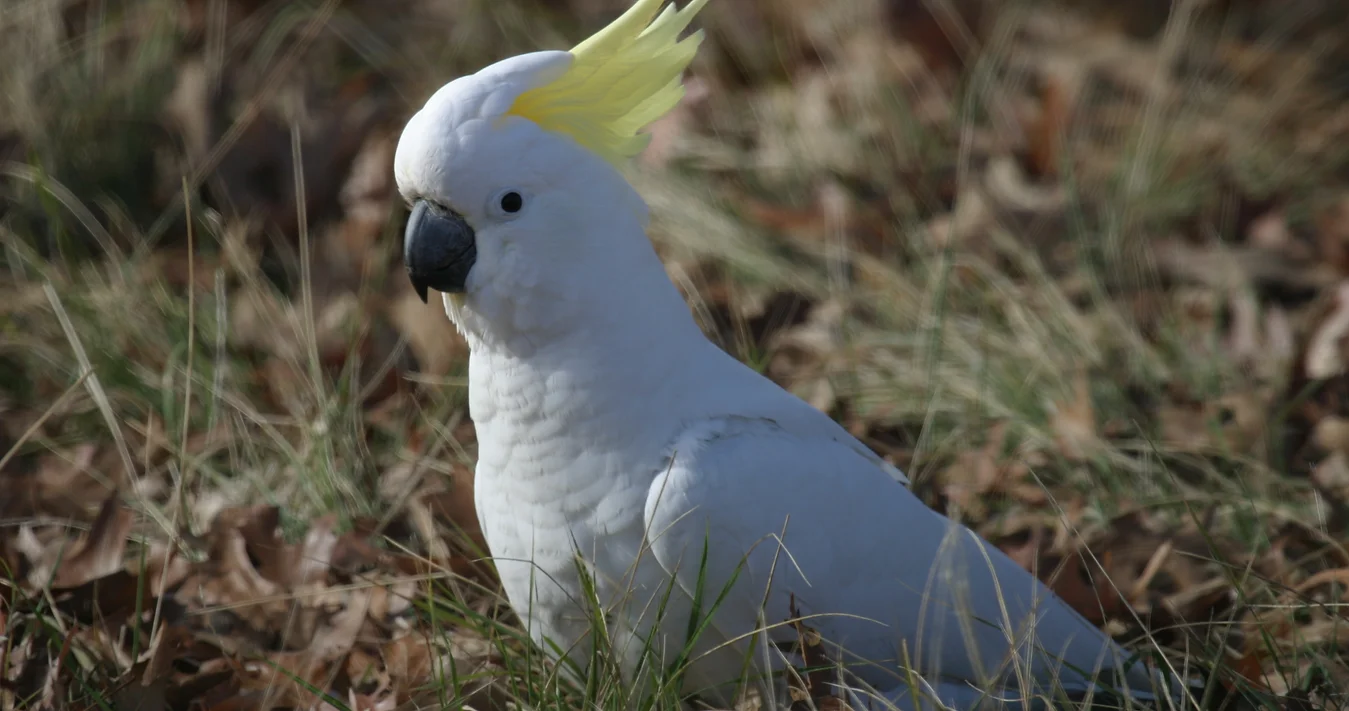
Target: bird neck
607,321
632,353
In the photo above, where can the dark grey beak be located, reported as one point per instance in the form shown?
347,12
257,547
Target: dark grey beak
439,249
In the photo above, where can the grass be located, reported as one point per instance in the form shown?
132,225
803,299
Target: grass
958,307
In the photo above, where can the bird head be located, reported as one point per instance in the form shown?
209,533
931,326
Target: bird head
518,209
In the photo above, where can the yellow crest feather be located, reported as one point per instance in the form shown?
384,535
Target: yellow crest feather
621,79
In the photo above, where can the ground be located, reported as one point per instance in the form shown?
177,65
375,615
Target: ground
1080,268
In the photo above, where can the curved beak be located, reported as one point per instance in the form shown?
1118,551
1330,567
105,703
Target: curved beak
439,249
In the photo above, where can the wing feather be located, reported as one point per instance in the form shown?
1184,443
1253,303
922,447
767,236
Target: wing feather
813,524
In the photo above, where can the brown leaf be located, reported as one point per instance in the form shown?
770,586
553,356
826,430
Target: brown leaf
804,353
244,701
1231,422
353,554
1332,234
945,34
971,216
1025,547
286,678
142,697
1251,667
60,485
175,266
337,635
54,688
1095,600
975,473
156,445
1270,230
1045,135
429,333
260,321
255,577
394,600
170,643
409,660
1325,352
99,553
363,702
1235,268
1074,421
352,246
286,383
256,524
1244,338
1332,434
456,505
243,581
295,566
163,568
238,596
1009,188
188,106
803,220
366,670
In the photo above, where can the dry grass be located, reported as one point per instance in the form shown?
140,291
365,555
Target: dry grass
1077,269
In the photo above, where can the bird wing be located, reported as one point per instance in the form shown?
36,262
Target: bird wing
749,501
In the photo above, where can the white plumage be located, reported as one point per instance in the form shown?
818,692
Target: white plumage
608,425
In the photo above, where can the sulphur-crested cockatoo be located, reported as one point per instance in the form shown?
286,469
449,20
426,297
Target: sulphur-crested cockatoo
628,465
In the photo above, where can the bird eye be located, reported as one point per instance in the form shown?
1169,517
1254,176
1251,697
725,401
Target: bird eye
512,202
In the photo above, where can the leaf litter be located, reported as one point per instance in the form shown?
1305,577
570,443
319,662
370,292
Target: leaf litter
1014,308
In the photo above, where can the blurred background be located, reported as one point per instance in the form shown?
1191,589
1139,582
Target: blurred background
1080,268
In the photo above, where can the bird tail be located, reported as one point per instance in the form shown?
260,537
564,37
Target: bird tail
1169,693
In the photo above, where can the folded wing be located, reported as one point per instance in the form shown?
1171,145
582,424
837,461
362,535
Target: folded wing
883,576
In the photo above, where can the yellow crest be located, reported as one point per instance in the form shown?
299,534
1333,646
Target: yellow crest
621,79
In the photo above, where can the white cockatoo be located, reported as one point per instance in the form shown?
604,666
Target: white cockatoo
629,466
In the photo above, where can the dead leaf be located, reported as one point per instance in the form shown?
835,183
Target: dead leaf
1074,422
353,554
1232,269
1233,422
1331,475
99,553
298,566
1080,585
1332,234
363,702
1008,188
409,660
337,635
1025,549
946,34
1045,135
286,679
367,198
1325,353
170,642
175,266
975,473
1251,668
1332,434
188,107
456,505
971,217
430,335
1270,230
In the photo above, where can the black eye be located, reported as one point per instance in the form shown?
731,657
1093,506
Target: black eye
512,202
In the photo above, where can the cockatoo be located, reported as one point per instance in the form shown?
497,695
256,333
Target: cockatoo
633,480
